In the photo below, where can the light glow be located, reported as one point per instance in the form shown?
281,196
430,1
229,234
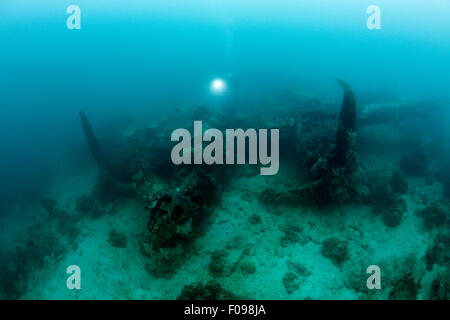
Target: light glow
218,86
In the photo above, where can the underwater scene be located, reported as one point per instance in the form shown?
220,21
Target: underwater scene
226,149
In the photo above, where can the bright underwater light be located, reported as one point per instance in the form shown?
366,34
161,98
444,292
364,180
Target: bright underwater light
218,86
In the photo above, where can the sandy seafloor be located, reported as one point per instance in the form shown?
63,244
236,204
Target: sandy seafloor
119,273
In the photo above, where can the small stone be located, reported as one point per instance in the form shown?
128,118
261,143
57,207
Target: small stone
335,250
394,215
117,239
254,219
291,282
248,267
217,264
